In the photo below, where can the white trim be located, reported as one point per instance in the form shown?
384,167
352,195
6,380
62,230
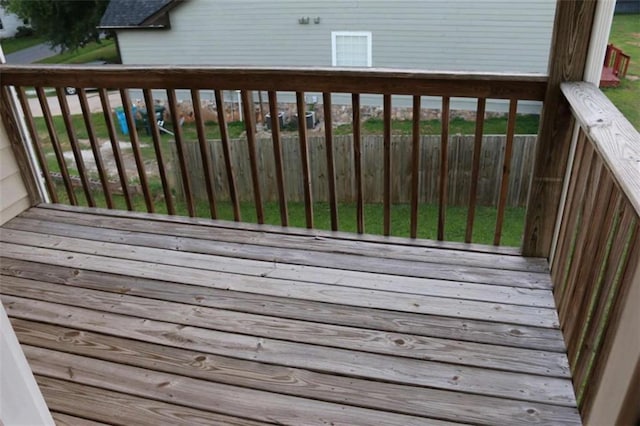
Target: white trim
21,402
367,34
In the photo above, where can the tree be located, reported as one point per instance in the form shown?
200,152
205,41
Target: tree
69,24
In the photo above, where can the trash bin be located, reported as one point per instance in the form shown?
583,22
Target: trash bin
122,120
310,118
267,120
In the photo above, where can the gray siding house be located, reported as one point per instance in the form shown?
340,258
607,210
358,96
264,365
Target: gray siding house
452,35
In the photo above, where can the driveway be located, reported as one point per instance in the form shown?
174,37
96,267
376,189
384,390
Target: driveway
31,54
93,99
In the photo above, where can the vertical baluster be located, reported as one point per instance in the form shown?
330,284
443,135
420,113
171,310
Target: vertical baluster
37,145
115,147
304,158
53,135
75,146
157,147
387,164
205,153
95,147
506,170
475,168
277,154
357,159
331,173
226,148
184,167
444,168
415,166
250,125
135,148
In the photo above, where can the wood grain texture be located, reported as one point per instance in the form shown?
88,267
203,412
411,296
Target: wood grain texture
331,313
291,381
312,233
122,408
386,152
567,59
179,318
506,170
615,139
62,419
208,396
291,240
334,361
351,338
444,168
402,82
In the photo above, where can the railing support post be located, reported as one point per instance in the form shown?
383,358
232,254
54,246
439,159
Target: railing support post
567,59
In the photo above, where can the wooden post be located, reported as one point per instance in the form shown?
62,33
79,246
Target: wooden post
567,59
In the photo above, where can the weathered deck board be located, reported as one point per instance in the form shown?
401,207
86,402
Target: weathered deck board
120,408
361,339
459,308
395,321
183,323
205,395
388,396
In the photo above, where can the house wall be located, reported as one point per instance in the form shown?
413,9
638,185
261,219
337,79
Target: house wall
461,35
10,24
13,194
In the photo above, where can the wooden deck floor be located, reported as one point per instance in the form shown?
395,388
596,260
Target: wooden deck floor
140,319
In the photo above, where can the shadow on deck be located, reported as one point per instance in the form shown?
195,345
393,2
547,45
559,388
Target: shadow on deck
147,319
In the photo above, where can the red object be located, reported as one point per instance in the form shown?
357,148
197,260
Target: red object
616,64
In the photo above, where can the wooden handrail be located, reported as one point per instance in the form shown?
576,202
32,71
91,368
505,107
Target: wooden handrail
596,268
211,168
483,85
615,139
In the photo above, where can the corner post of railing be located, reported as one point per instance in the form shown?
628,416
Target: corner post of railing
18,140
569,48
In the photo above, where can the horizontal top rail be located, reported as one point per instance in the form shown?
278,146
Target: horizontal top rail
387,81
614,138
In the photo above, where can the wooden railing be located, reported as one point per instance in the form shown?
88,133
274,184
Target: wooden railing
595,270
481,88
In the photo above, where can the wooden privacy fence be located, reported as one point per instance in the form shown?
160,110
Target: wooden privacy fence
460,156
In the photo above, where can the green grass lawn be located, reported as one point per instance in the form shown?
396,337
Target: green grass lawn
525,125
625,34
103,51
13,44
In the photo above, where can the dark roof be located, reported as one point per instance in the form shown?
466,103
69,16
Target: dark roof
137,13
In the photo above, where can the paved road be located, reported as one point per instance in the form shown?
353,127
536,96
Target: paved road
31,54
